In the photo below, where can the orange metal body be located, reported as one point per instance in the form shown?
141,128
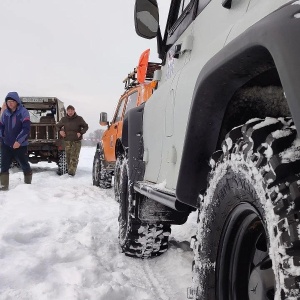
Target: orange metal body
139,86
133,97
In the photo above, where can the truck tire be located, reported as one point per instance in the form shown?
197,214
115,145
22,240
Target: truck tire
248,233
138,239
15,164
117,175
96,170
101,177
62,163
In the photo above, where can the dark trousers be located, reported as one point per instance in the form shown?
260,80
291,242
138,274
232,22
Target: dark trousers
20,155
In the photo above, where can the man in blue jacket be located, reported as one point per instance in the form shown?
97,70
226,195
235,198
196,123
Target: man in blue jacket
14,131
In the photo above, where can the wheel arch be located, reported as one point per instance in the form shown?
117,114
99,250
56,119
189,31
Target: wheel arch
259,50
132,142
119,149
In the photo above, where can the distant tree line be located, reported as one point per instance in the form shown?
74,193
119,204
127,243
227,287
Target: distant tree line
92,138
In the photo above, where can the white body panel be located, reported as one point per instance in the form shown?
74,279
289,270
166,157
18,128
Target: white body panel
166,113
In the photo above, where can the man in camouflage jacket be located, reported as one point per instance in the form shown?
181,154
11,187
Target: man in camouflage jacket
71,128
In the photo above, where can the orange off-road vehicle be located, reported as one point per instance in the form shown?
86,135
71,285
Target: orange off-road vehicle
139,86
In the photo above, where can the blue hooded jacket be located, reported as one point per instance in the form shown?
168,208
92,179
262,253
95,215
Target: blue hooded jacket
15,126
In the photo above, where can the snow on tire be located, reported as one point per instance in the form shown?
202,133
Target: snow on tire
96,170
117,174
248,244
136,238
62,163
101,177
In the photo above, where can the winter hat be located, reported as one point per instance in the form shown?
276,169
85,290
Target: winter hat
9,98
70,107
12,96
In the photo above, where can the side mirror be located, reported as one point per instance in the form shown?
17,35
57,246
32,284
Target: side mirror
103,119
146,18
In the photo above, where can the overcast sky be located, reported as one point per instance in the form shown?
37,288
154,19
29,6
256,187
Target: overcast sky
76,50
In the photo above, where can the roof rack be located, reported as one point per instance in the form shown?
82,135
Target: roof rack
38,99
131,79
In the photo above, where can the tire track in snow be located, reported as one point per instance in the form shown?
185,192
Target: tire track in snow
163,291
142,273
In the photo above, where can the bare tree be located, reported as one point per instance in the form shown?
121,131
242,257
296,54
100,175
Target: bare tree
93,138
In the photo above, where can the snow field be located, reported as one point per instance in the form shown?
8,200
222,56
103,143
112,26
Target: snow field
59,240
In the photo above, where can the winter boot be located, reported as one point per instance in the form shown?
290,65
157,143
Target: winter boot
28,178
4,181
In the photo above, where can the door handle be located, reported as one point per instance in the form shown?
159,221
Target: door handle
177,51
187,45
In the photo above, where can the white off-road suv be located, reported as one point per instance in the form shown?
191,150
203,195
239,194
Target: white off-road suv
219,135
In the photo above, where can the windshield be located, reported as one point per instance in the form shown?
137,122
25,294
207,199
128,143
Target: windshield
42,115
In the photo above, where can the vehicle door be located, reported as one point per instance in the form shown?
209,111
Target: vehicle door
113,132
159,112
200,31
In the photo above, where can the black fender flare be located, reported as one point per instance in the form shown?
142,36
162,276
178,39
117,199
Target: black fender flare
132,140
275,40
119,149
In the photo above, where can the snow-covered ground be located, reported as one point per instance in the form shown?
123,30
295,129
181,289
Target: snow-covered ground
59,240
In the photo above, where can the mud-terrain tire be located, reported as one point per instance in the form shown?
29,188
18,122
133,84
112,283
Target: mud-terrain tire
96,170
138,239
62,163
117,175
101,177
248,244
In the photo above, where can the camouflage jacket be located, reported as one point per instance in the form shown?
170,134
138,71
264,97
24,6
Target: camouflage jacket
71,126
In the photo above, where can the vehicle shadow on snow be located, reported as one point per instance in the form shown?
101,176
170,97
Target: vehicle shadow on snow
53,169
36,169
184,245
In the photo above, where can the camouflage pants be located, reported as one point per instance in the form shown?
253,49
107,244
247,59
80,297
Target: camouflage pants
72,149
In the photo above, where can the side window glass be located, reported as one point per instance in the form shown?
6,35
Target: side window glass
120,111
183,5
131,102
181,16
